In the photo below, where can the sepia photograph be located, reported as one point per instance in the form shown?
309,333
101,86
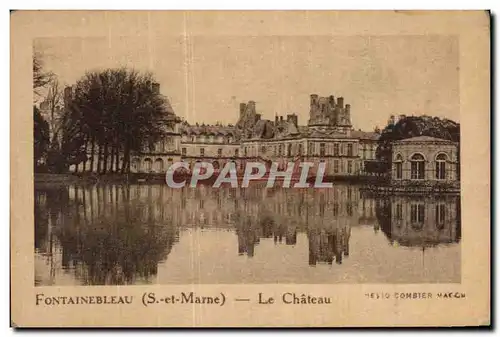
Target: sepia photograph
179,155
109,122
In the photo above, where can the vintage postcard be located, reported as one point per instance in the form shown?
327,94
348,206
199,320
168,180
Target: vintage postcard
250,168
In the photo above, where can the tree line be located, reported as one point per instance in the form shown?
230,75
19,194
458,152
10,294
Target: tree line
100,120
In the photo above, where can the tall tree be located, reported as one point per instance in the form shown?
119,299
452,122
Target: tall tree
112,113
40,137
41,78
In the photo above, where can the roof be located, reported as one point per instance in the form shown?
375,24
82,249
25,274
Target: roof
365,135
207,130
420,139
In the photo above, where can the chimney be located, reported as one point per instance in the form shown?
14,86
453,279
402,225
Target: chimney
156,88
251,107
348,108
331,100
314,99
281,118
243,106
292,118
257,117
276,120
340,102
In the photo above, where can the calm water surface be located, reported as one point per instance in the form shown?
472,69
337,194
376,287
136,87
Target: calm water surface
152,234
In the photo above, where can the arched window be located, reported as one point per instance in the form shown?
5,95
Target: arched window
215,164
441,166
417,166
398,164
159,165
148,164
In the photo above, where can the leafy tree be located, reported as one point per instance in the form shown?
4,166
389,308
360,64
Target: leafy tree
414,126
111,114
40,137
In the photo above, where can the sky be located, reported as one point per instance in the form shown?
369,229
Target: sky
206,77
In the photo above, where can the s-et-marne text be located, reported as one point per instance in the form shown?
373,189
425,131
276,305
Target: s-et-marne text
150,298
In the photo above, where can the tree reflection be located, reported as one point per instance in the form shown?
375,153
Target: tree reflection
116,244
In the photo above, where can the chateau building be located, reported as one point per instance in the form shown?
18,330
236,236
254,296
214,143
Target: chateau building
327,137
425,159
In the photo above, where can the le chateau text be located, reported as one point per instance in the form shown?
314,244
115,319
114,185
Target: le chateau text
294,298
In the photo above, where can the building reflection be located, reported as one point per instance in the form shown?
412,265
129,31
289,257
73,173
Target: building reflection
117,234
420,221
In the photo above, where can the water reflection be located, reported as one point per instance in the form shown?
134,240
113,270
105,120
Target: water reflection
123,234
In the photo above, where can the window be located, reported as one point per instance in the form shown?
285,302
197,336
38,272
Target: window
349,150
343,149
245,151
236,152
219,152
399,212
336,149
263,149
398,164
322,149
335,166
289,150
280,150
440,216
300,150
399,170
310,150
148,164
417,216
417,166
349,166
202,152
441,166
183,151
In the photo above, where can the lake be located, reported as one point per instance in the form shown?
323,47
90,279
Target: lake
153,234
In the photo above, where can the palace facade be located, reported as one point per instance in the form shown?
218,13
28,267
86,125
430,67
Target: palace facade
328,137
